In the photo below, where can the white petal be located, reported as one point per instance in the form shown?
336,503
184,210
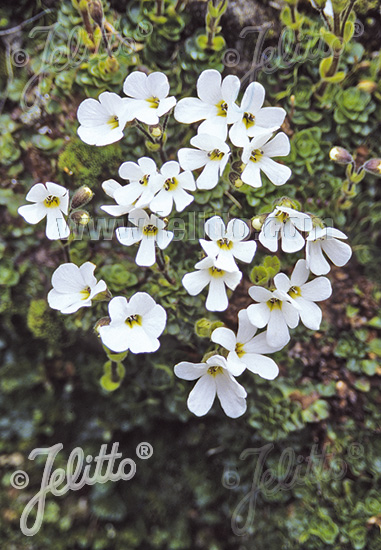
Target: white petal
116,338
158,85
130,171
231,399
163,238
292,240
56,226
261,365
118,309
191,109
245,251
237,230
87,272
165,105
252,175
186,181
91,113
317,290
116,210
110,186
182,199
277,329
260,294
195,282
269,117
300,274
202,396
215,126
259,345
66,303
339,253
207,142
135,85
277,173
310,313
253,98
141,342
209,177
315,258
128,235
190,371
146,255
209,86
225,261
259,314
224,337
33,213
279,146
291,313
162,204
217,299
100,135
238,134
233,279
37,193
246,329
191,159
282,282
215,228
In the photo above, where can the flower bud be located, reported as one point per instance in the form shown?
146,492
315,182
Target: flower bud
153,147
156,131
103,322
235,179
367,86
340,155
258,221
96,11
80,216
373,166
82,196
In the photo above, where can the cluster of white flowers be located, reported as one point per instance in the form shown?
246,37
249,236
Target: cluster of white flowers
152,192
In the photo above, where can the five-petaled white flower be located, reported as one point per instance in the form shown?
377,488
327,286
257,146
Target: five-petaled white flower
216,104
135,324
254,118
246,350
50,200
212,153
102,122
148,231
173,186
326,239
305,294
110,187
274,310
143,183
284,224
227,244
257,156
214,377
148,96
74,287
208,274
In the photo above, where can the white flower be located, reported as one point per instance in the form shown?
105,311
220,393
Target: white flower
305,294
74,287
276,310
149,96
215,377
135,324
149,230
216,105
208,274
212,153
226,244
50,200
110,187
246,350
328,8
102,122
326,239
257,156
284,224
143,183
173,186
254,118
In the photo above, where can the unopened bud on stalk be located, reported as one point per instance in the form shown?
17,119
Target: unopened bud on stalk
80,216
82,196
96,12
258,221
373,166
235,179
103,322
156,131
340,155
367,86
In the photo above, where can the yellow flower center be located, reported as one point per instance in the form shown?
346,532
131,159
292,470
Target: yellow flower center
294,292
213,371
225,244
215,272
274,303
133,320
51,201
144,180
170,184
150,229
216,154
153,102
222,108
248,120
256,155
113,122
239,349
85,293
282,216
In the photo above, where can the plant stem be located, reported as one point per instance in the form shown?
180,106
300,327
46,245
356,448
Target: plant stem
162,266
144,132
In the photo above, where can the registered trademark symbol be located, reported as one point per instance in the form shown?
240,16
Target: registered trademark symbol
144,450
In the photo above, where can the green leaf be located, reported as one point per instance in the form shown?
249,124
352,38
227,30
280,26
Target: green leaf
324,66
336,78
272,265
375,346
259,275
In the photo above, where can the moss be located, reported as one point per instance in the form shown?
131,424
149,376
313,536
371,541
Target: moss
41,321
